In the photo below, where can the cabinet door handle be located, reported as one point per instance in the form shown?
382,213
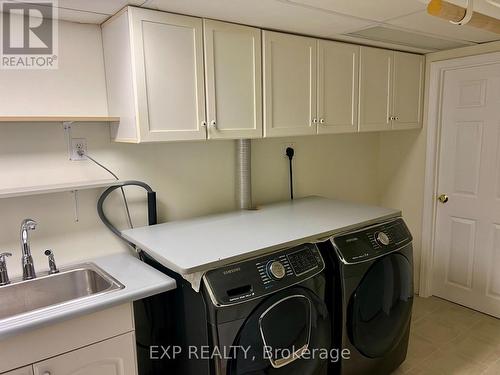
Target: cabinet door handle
322,121
396,118
391,118
213,124
315,120
204,127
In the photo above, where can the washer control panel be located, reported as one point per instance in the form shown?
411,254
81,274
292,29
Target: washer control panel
383,239
260,276
371,242
276,270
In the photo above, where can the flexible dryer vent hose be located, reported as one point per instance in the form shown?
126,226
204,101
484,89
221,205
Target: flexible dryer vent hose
244,174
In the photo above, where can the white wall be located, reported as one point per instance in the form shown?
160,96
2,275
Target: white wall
401,180
191,178
76,88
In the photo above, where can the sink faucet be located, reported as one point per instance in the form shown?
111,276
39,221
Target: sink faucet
27,259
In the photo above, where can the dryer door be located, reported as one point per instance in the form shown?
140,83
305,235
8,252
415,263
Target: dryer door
280,335
380,308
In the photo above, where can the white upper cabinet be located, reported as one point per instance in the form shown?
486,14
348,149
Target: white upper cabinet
233,78
338,73
375,89
408,90
179,78
290,68
155,78
391,90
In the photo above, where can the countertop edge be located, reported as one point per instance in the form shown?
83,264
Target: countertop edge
57,314
258,252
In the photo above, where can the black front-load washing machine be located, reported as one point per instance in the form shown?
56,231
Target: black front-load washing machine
373,287
264,315
271,311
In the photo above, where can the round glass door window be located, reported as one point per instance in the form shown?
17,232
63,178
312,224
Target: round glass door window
279,333
380,309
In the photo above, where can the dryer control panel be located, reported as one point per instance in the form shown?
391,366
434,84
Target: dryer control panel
372,242
260,276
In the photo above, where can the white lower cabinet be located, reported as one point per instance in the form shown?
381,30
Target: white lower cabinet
28,370
115,356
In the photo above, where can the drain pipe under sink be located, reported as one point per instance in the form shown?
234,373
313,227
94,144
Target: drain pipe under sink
244,174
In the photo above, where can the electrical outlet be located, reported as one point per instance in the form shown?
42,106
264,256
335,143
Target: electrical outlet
284,146
78,144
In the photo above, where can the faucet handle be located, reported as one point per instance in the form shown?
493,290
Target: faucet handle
52,262
3,256
4,276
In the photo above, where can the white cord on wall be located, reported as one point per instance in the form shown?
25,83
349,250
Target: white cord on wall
82,152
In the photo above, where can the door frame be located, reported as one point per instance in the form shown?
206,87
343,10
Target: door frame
435,89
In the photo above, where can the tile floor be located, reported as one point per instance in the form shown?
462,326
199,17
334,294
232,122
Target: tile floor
448,339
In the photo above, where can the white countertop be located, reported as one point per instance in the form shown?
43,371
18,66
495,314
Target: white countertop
196,245
139,279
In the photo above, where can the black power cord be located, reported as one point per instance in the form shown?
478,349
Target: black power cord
289,153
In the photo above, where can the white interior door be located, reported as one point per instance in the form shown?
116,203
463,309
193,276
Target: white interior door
467,238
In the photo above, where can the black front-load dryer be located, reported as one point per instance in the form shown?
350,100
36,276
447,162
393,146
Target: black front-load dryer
270,314
373,287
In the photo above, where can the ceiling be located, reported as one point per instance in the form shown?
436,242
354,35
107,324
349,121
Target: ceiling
401,24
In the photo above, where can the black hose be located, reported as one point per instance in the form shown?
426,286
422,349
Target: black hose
152,214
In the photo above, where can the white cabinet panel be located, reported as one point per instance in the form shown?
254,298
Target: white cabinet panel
28,370
408,90
338,93
233,77
169,72
290,68
375,101
115,356
155,60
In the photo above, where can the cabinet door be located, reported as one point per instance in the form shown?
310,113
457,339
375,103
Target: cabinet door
289,84
28,370
115,356
375,85
168,57
233,75
338,93
408,90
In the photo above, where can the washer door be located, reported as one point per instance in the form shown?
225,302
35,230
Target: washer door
380,309
280,335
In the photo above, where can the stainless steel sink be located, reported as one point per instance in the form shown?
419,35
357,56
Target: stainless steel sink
70,284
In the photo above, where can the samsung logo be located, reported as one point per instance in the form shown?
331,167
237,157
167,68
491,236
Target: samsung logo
232,270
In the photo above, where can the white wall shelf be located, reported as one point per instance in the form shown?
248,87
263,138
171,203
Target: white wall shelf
55,188
59,119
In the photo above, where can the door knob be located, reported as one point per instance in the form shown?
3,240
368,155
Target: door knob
443,198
